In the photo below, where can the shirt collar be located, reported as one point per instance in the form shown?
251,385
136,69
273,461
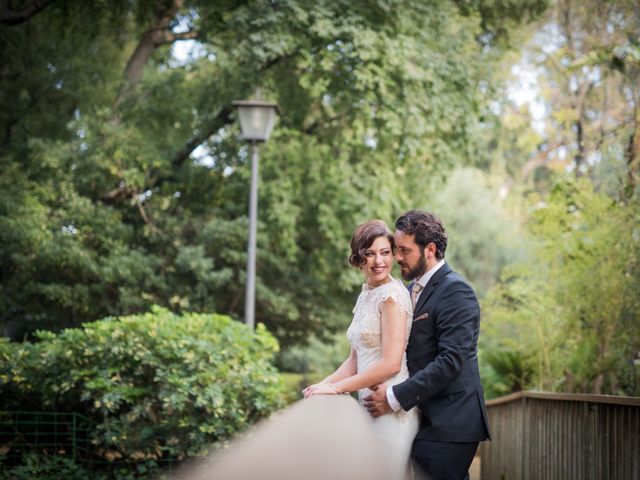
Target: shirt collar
424,279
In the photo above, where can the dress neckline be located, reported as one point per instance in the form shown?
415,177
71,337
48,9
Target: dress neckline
367,288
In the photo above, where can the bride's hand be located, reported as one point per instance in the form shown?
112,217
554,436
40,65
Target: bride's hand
306,392
319,389
309,391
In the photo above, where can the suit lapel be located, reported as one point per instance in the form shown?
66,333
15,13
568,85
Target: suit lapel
430,287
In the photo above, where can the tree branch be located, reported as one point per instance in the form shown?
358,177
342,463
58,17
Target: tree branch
147,218
13,17
158,34
122,191
170,37
322,122
538,160
117,194
221,119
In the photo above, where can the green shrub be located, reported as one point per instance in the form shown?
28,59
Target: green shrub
157,385
49,467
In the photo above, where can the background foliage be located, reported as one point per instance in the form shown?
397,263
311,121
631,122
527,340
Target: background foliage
158,386
563,318
567,314
124,184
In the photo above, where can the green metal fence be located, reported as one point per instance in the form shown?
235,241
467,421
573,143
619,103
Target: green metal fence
48,433
64,435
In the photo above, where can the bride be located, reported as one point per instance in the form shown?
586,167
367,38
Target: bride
378,336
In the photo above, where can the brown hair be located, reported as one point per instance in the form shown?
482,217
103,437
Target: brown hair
363,238
426,227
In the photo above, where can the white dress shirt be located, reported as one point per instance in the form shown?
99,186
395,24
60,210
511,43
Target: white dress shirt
423,280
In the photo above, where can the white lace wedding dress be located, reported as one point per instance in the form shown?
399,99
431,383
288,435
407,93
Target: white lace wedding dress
397,429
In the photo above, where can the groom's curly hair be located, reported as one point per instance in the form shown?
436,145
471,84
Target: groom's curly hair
363,238
426,227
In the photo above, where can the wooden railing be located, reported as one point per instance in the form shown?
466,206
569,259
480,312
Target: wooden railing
550,436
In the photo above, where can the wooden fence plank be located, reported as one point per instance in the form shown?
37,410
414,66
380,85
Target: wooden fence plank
540,436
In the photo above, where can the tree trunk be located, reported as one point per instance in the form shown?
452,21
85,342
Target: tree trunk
633,157
579,157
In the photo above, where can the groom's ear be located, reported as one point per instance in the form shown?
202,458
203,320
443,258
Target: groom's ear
430,248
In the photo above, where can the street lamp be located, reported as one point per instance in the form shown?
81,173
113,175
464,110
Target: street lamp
257,118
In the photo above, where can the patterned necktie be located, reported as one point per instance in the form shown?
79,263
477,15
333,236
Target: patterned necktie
415,293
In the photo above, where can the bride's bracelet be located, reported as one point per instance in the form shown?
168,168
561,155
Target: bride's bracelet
333,387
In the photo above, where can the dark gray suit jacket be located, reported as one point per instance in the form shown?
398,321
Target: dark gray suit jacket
442,358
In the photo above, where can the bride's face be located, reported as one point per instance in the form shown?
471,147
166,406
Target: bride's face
379,260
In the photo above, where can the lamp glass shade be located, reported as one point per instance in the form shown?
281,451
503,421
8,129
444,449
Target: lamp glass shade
257,119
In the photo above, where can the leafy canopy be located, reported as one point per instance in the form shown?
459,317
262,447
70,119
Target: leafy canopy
124,183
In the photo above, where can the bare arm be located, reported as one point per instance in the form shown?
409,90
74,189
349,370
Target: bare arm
348,368
394,332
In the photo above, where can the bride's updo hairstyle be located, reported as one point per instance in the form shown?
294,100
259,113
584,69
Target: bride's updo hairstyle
363,238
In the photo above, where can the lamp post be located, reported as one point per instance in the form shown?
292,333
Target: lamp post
257,118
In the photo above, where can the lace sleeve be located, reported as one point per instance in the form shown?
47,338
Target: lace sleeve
398,292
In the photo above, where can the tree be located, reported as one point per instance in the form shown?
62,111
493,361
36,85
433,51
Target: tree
571,310
124,184
586,59
562,320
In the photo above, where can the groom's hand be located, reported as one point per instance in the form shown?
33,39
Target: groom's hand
377,403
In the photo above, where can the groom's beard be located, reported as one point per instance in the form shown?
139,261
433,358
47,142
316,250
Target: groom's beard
416,271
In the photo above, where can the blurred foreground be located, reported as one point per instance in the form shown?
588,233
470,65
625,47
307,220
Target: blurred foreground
319,438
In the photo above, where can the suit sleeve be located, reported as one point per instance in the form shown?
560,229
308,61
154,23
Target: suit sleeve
456,318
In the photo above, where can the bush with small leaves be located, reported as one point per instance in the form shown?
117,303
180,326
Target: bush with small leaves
157,385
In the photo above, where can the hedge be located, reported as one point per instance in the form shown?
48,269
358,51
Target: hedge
157,385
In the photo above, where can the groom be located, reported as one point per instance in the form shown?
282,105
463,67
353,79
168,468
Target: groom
441,354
